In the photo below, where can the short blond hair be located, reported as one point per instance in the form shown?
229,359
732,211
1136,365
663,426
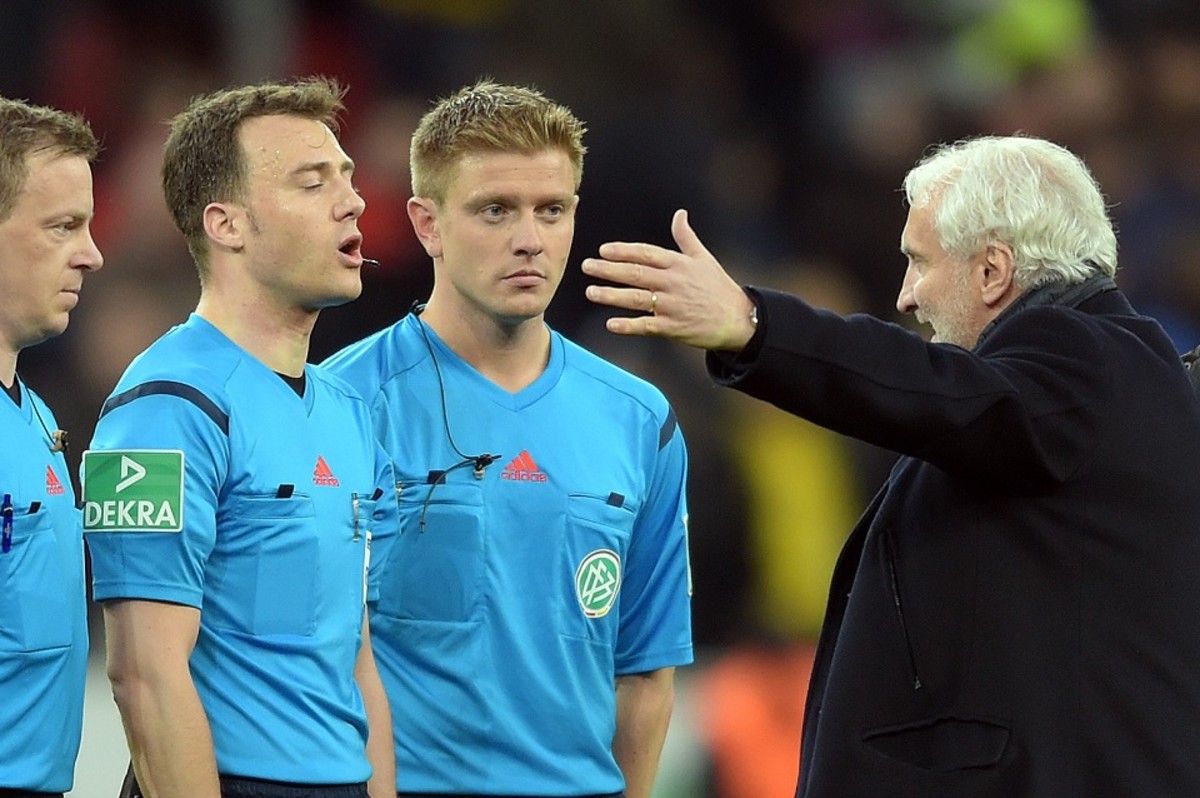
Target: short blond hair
489,117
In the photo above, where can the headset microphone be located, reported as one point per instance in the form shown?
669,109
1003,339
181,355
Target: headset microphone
480,461
371,262
483,461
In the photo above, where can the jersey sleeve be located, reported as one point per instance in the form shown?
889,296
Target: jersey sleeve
656,627
161,563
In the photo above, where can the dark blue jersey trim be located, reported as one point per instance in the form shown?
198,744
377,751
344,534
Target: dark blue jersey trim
667,431
170,388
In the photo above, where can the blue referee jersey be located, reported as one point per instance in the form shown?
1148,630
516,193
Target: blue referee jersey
43,619
281,497
511,601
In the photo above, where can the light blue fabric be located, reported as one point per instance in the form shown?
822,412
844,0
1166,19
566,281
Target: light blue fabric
279,580
500,680
43,617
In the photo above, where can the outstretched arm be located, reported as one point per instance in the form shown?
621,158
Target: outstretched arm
687,295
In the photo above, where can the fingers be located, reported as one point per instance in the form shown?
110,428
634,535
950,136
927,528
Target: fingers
647,255
684,295
685,237
637,325
624,272
637,264
637,299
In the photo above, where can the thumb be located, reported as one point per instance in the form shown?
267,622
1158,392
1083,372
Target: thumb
685,238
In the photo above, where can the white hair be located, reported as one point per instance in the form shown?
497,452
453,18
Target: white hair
1033,195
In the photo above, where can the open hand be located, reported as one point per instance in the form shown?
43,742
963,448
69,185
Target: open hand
686,295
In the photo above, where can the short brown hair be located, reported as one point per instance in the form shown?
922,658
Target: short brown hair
27,129
203,161
489,117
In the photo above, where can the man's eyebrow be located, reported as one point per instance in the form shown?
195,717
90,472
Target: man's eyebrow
323,167
482,199
69,215
501,198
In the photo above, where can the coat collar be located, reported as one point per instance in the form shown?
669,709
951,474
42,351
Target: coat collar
1070,295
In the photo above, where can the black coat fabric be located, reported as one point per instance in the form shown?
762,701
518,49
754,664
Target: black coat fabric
1191,362
1018,611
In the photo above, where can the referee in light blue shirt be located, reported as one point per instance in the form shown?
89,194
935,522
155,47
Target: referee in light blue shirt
46,248
234,497
532,612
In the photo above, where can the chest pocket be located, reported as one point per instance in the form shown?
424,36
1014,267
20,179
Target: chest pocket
435,568
592,560
34,594
267,578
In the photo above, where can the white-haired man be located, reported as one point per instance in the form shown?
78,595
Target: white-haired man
1016,613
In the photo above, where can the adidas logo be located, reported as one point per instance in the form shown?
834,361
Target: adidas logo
322,475
53,486
523,469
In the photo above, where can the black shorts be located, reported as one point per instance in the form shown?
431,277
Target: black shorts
240,787
28,794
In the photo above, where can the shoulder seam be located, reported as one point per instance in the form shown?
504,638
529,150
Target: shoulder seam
170,388
667,430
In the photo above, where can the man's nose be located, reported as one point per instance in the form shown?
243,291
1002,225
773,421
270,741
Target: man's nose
906,301
527,235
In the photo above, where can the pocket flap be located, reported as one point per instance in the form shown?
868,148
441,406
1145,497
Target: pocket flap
942,744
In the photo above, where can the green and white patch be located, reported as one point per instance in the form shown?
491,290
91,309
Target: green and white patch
135,490
597,582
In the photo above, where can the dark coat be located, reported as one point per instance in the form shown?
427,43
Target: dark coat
1191,362
1018,611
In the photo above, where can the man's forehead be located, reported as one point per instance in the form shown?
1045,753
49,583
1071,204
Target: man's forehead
276,124
285,141
55,178
547,173
907,233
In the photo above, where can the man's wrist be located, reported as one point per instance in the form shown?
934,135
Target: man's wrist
744,324
757,322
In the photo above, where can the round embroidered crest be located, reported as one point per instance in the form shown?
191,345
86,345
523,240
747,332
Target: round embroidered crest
597,582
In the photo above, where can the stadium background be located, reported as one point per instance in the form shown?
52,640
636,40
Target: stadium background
785,126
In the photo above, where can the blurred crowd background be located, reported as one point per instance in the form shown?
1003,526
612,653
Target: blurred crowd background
784,126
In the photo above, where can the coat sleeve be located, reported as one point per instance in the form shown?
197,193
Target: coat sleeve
1023,408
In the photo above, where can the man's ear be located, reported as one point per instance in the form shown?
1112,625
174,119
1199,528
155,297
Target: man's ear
225,225
997,275
423,213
